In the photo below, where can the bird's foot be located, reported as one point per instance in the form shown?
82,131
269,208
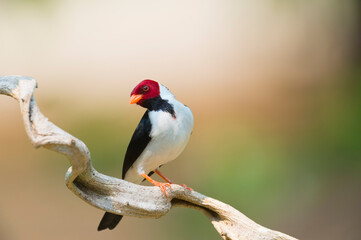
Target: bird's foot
163,187
186,187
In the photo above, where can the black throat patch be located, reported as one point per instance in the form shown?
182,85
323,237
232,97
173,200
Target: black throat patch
159,104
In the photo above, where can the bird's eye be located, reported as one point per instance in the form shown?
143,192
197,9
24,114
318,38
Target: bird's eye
145,88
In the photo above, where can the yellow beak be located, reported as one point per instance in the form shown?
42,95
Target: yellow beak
135,98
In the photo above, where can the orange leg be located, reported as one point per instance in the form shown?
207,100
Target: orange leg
169,181
162,186
163,177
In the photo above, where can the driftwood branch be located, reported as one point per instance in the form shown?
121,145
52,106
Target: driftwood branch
116,195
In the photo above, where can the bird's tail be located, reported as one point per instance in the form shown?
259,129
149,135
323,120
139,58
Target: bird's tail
109,220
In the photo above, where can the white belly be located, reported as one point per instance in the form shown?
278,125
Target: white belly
169,138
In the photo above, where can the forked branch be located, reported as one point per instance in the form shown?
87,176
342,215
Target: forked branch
116,195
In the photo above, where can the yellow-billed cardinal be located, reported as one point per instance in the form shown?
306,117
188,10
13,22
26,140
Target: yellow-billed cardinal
161,135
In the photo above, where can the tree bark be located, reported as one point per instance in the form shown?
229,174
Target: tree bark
116,195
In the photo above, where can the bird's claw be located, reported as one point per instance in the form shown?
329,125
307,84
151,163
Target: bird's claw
163,188
186,187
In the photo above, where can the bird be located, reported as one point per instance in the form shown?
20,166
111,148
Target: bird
160,137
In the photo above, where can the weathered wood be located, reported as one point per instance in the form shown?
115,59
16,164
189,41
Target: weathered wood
116,195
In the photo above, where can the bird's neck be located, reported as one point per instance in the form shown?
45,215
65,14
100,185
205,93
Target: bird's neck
159,104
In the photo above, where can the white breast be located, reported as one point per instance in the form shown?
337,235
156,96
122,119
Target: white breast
169,137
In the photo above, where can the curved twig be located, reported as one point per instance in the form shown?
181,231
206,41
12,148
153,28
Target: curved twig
116,195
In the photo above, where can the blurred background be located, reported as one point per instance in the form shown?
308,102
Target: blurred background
274,87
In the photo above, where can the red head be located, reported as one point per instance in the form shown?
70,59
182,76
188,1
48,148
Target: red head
146,89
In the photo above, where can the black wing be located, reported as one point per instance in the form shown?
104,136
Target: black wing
140,139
